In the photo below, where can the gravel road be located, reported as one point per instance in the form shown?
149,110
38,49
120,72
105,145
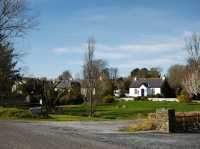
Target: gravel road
87,135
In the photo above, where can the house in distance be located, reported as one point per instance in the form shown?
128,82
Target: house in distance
142,87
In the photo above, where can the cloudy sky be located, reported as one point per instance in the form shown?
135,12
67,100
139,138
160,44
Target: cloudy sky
128,33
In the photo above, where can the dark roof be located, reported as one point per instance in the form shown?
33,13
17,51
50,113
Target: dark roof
63,84
148,82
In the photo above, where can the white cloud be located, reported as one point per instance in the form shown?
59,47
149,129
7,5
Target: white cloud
62,50
153,53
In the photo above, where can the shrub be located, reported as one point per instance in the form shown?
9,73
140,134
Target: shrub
141,98
15,113
183,97
156,96
108,99
71,100
143,125
35,99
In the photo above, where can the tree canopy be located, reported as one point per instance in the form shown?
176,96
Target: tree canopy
146,73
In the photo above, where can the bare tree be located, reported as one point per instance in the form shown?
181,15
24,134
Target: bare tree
192,83
14,19
89,72
113,75
192,78
193,50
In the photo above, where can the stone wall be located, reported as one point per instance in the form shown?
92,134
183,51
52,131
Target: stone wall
165,120
188,122
169,122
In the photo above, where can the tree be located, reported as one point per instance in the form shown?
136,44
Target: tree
166,90
146,73
192,79
14,19
175,75
192,83
113,75
66,75
90,72
192,46
8,72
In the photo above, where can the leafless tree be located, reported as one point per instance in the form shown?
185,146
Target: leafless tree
90,73
192,78
193,50
192,83
15,19
113,74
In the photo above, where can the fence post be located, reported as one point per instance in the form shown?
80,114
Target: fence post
172,120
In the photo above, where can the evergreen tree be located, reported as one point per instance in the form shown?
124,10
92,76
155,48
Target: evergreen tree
8,71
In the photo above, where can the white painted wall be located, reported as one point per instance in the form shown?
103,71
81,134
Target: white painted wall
147,91
135,92
164,99
153,99
157,91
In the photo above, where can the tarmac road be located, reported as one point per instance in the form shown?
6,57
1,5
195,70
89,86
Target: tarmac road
85,135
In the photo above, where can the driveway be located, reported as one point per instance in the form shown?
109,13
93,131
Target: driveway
87,135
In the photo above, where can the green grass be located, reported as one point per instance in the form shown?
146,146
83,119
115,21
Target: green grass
127,110
15,113
117,111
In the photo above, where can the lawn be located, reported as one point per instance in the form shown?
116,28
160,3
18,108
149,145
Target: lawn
125,110
117,111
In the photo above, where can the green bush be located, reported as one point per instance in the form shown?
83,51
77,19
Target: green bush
183,97
15,113
141,98
108,99
35,98
71,100
155,96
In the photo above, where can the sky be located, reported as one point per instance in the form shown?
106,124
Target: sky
128,34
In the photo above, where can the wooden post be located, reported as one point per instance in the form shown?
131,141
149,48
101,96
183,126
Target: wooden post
172,120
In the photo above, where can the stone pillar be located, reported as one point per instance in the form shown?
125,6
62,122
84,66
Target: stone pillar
165,119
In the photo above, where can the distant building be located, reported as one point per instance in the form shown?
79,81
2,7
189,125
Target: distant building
141,87
66,84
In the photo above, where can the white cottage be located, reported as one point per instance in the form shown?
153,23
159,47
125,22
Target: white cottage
141,87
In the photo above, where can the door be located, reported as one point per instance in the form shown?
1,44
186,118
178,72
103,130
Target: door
142,92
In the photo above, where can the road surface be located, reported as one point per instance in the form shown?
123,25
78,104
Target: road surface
86,135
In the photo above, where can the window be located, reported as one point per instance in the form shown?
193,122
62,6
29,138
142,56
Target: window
135,91
153,91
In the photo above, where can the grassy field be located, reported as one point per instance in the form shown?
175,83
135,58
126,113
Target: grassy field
123,110
116,111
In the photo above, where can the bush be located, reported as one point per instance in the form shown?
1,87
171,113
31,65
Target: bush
71,100
35,99
143,125
141,98
156,96
108,99
15,113
183,97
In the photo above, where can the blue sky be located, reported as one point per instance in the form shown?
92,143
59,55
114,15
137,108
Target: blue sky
128,33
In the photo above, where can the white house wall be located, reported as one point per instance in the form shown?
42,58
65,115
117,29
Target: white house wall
157,91
147,91
132,92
